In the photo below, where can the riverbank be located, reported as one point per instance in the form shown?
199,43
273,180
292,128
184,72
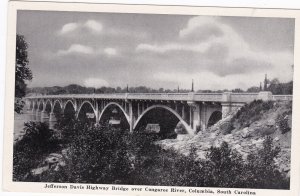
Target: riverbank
248,139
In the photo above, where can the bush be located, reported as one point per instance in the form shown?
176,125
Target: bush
37,141
223,167
251,112
282,122
262,169
97,155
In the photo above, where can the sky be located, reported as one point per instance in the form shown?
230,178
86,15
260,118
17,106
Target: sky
114,49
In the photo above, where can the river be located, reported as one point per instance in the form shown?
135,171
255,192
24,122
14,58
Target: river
19,121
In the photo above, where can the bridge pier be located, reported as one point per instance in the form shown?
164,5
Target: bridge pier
183,116
131,117
31,114
196,118
38,116
44,116
52,120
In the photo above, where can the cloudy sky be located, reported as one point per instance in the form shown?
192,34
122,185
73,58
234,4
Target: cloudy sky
104,49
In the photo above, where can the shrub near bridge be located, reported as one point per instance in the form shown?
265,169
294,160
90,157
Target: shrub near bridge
251,112
37,142
226,168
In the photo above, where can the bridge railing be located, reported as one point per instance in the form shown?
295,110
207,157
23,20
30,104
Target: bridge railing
159,96
243,97
79,96
282,97
217,97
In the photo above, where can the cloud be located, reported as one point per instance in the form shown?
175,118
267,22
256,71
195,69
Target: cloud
206,44
95,82
207,80
69,27
201,28
110,51
76,48
92,26
202,47
87,50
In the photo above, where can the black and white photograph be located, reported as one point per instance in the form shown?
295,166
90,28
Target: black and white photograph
166,101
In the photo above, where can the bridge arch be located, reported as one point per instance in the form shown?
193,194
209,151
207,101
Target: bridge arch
86,102
115,104
186,126
57,101
40,105
47,103
214,118
66,103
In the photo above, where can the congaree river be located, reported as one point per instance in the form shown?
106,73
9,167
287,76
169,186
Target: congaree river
19,121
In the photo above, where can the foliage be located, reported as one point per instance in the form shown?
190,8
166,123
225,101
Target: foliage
114,165
77,89
283,122
23,72
108,155
19,104
275,87
279,88
263,170
37,141
253,89
251,112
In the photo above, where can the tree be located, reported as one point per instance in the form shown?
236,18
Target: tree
253,89
23,72
237,90
279,88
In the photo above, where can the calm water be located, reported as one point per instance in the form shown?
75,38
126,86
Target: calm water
20,119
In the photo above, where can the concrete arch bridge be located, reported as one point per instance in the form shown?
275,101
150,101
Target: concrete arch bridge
195,111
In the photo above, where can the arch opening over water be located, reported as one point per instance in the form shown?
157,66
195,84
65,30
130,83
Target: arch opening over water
48,106
160,119
69,111
57,109
86,113
114,115
40,106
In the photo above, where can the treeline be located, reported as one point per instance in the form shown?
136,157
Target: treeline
77,89
275,86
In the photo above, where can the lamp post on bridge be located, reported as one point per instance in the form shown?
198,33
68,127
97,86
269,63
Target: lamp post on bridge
192,85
